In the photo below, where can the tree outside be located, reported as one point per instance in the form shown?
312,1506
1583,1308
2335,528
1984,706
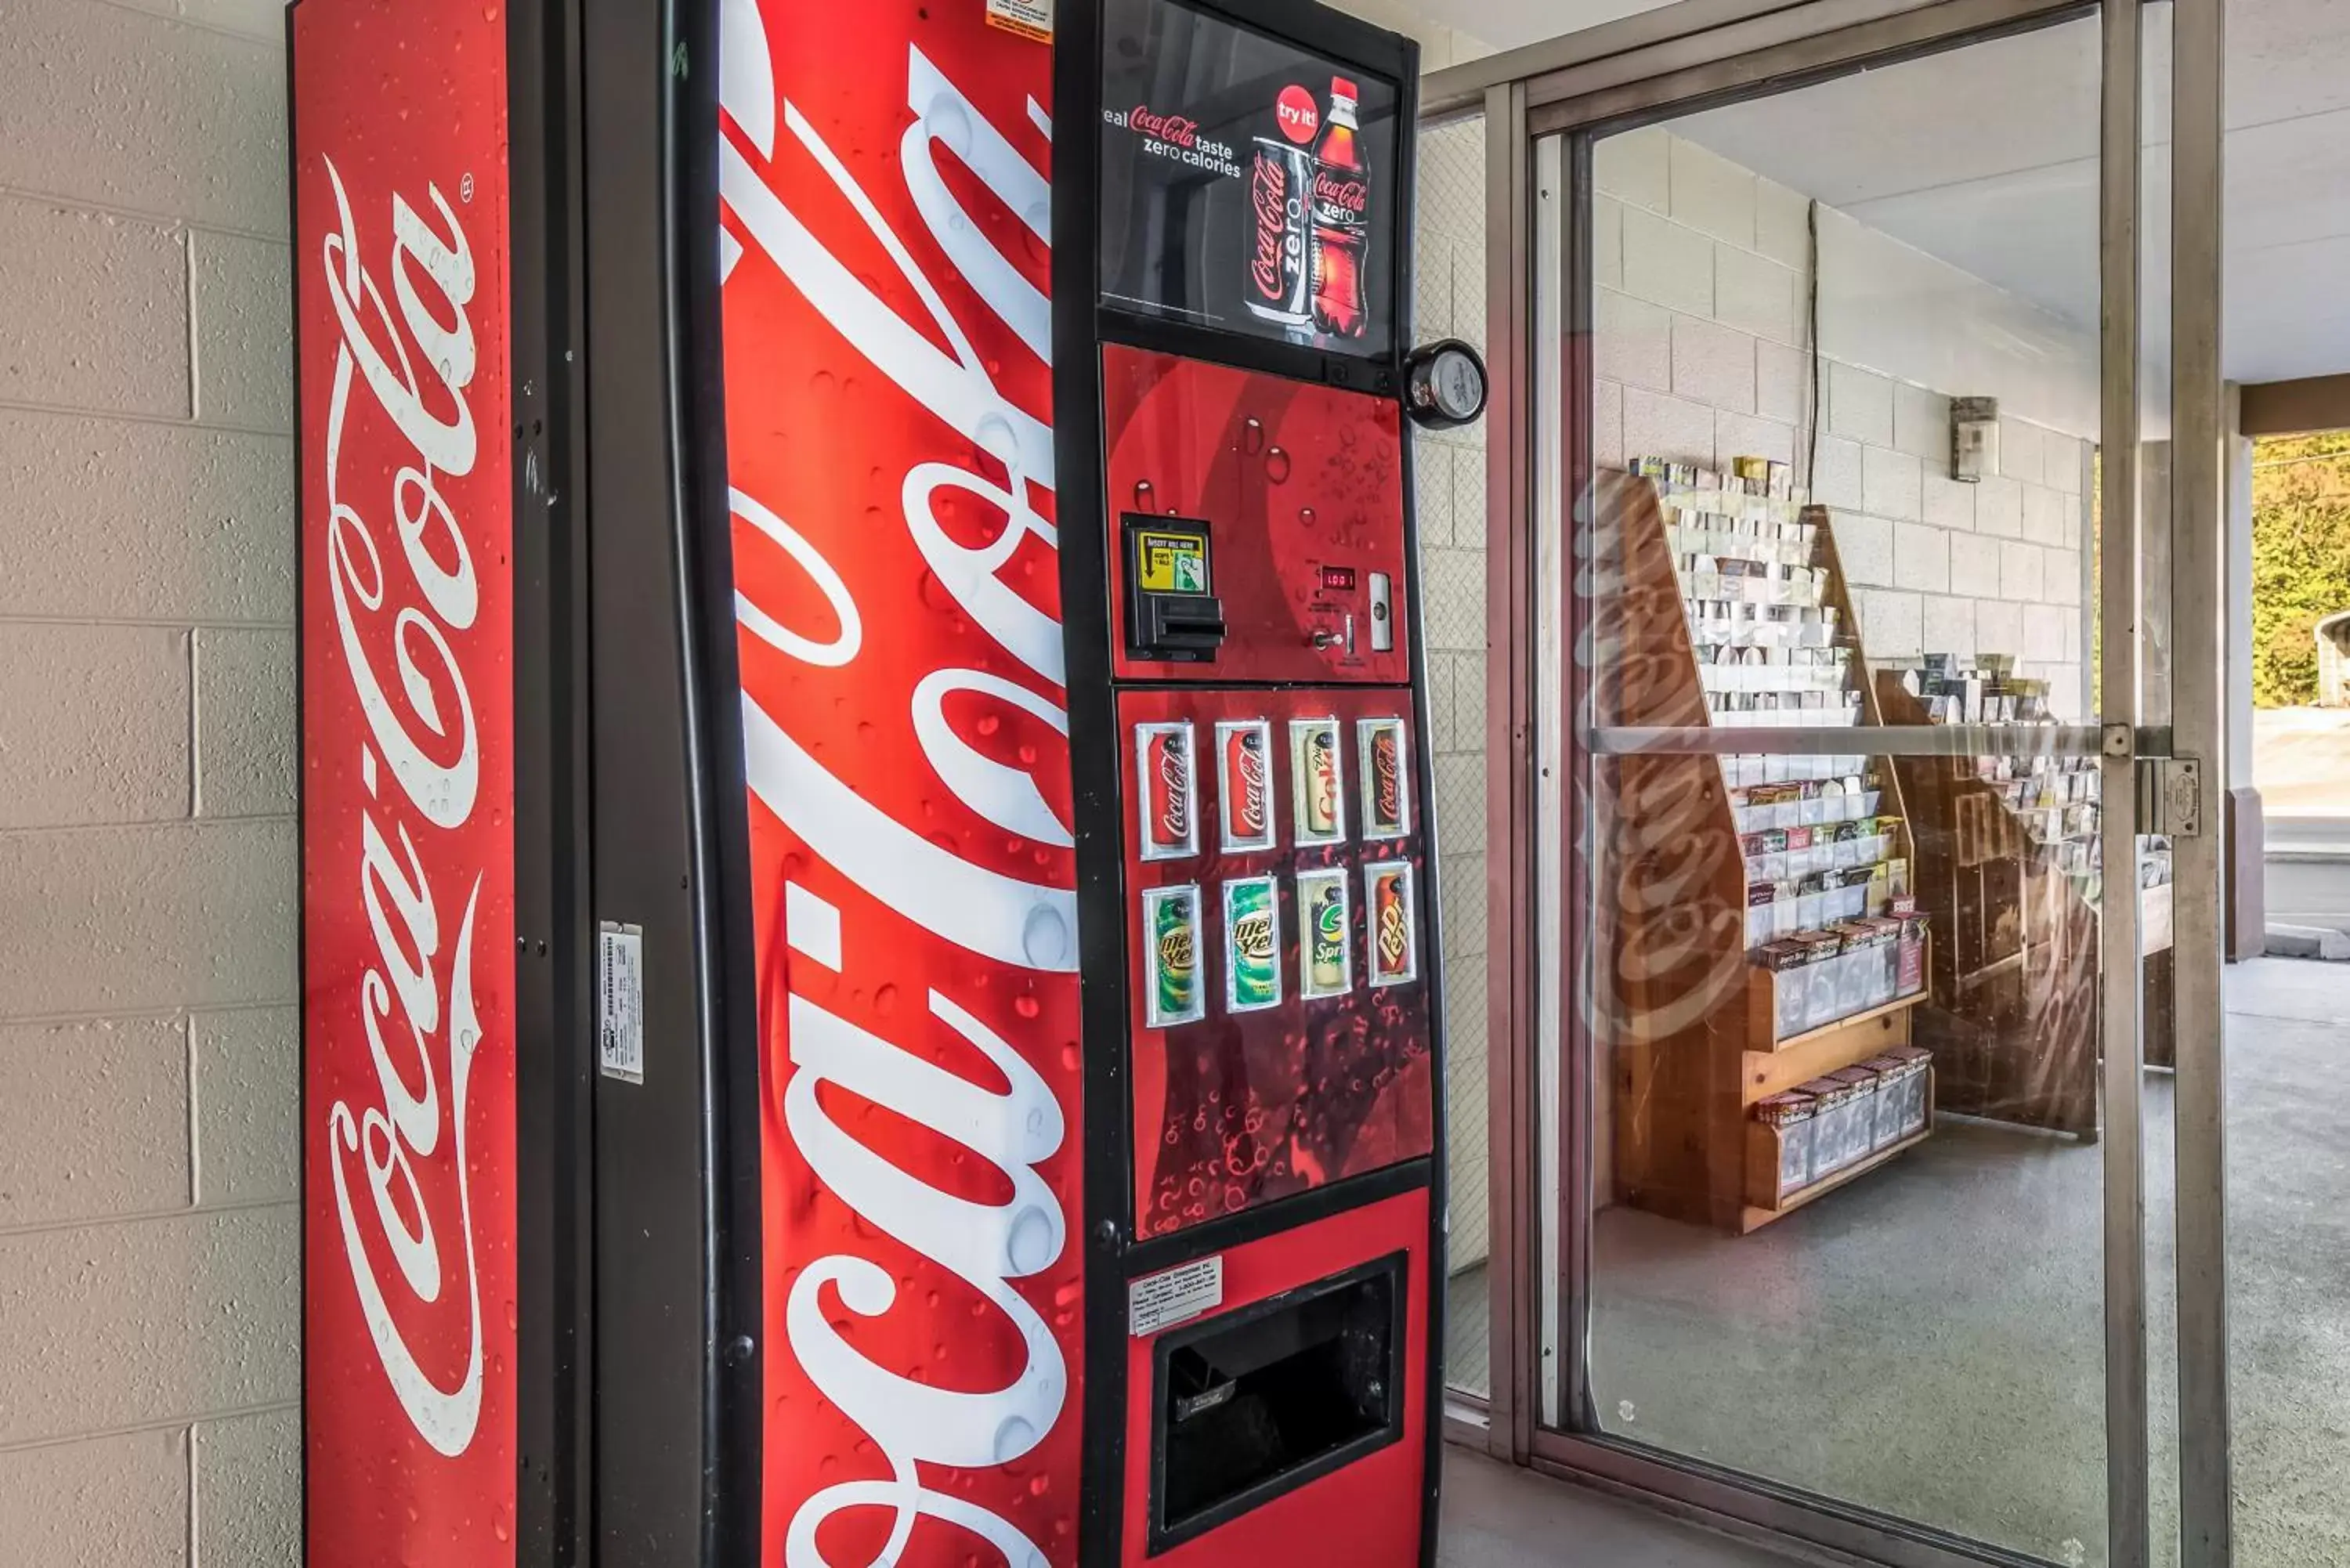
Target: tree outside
2300,559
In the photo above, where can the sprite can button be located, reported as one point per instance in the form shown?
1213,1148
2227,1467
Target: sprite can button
1329,968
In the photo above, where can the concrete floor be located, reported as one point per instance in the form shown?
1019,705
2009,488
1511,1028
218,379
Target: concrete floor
1497,1517
1930,1342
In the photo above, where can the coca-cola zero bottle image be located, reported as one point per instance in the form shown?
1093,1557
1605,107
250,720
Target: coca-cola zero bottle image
1342,190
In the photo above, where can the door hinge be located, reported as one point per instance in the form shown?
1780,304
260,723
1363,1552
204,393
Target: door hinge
2170,796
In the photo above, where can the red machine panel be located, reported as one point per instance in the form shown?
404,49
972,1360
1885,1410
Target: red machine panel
1302,488
889,417
1365,1514
409,1132
1279,1002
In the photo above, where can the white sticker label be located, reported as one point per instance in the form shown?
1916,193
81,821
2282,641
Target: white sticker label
620,1001
1029,18
1162,1301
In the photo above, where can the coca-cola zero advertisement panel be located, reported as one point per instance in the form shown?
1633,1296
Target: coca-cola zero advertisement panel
400,262
1246,185
885,206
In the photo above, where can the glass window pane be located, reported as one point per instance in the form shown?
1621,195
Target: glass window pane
1841,1025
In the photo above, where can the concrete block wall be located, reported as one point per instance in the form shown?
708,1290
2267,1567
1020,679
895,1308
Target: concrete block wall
1449,466
149,1369
1700,344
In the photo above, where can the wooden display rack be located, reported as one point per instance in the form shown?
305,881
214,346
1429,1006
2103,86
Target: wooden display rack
2014,1026
1685,1019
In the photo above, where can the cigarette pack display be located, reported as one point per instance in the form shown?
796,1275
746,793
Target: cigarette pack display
1793,1116
1892,1078
1916,1086
1789,963
1912,948
1823,845
1832,1144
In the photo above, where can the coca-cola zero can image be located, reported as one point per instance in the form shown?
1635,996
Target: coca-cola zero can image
1170,937
1252,945
1328,968
1395,940
1244,782
1386,789
1315,780
1280,271
1166,790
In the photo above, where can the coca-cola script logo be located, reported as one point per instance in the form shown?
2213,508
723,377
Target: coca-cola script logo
1175,780
1387,776
1249,814
1269,189
870,886
1331,192
1172,128
410,1144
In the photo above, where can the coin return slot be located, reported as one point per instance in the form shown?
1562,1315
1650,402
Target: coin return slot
1253,1403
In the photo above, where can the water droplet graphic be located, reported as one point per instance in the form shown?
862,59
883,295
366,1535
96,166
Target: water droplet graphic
1031,1243
1142,495
1013,1439
1305,515
1276,464
1044,937
1252,436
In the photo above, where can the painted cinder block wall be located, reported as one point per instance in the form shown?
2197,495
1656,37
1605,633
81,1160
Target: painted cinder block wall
1700,339
150,1362
149,1319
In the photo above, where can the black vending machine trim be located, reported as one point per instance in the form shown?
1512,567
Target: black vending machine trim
736,1422
555,972
676,1278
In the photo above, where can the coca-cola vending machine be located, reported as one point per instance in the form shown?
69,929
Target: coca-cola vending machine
869,954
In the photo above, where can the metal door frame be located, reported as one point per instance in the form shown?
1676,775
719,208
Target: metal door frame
1696,50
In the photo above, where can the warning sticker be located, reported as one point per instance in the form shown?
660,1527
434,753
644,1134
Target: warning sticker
1180,1294
1174,563
620,1001
1029,18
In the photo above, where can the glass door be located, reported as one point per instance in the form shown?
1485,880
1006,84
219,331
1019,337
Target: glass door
1830,384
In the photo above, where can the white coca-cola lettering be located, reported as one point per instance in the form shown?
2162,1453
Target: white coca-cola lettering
1331,194
1389,777
1175,780
1028,925
392,1138
1251,811
1172,128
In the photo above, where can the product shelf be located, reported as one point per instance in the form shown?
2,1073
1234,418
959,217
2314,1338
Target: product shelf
2013,1026
1763,1152
1715,859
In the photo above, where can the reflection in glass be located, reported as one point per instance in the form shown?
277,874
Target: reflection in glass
1841,1007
